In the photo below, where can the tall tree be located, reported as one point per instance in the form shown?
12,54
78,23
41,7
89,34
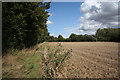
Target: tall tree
108,34
24,24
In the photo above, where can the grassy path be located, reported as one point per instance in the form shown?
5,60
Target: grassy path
41,61
23,64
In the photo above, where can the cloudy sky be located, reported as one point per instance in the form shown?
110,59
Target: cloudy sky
81,17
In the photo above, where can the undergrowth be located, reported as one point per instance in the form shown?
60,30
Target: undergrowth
41,62
53,60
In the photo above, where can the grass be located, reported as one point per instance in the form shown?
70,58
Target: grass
22,64
41,61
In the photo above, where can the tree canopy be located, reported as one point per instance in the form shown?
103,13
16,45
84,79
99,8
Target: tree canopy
24,24
108,34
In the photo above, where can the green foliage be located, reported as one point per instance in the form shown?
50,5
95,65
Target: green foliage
67,40
73,37
108,34
52,39
24,24
78,38
60,38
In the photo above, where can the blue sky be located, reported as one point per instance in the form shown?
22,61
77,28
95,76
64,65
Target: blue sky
81,17
64,15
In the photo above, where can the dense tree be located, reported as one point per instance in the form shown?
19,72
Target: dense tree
24,24
60,38
108,34
73,37
52,39
67,40
77,38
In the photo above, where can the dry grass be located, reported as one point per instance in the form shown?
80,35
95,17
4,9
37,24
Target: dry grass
40,61
22,64
53,60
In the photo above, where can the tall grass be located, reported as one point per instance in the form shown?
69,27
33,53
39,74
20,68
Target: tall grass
53,60
42,61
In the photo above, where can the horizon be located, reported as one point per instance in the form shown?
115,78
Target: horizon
81,17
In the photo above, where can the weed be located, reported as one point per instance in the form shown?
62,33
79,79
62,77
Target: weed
53,60
14,52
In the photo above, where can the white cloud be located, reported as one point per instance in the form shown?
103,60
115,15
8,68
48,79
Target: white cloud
49,22
64,35
70,29
98,15
51,34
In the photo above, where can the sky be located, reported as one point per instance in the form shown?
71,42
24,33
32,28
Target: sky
81,17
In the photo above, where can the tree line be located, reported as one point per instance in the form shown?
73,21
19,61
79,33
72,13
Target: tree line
106,34
24,24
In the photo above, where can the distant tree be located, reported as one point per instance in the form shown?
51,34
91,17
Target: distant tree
52,39
73,37
60,38
108,34
77,38
67,40
56,39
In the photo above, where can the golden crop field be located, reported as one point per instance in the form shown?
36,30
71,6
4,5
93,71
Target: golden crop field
91,59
